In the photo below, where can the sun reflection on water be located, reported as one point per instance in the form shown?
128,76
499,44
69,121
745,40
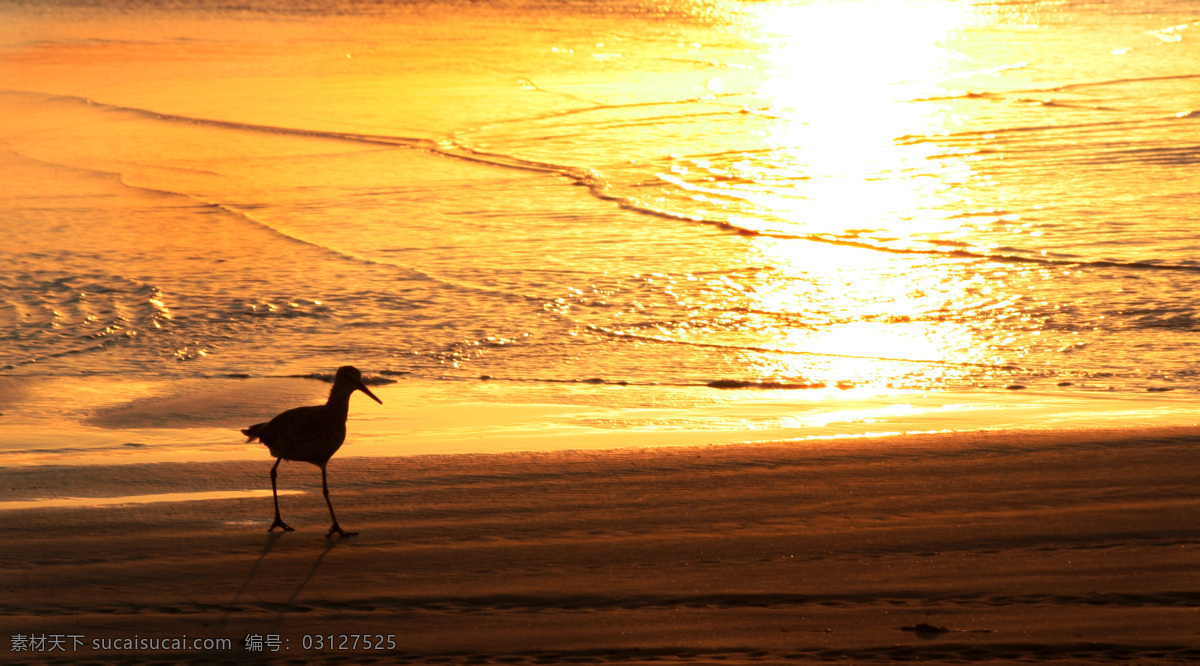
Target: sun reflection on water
863,317
844,80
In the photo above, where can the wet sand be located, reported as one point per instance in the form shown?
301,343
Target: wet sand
1075,546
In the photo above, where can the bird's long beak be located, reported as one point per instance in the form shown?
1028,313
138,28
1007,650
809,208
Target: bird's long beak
363,387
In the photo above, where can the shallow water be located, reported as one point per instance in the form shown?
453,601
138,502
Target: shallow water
878,195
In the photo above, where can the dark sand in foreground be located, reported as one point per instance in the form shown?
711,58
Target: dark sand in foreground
1076,546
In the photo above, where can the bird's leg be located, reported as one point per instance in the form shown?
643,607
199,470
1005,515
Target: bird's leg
336,529
278,521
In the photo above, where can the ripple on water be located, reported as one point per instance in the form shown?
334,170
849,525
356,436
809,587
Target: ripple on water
45,315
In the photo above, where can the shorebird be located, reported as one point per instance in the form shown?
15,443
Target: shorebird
312,435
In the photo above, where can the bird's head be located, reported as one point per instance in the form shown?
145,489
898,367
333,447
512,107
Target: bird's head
350,376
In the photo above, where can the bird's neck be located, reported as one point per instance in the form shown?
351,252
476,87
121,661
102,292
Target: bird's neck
339,399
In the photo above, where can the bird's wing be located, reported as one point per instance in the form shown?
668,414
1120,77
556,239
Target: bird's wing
286,426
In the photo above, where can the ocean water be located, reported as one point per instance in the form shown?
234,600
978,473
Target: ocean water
824,195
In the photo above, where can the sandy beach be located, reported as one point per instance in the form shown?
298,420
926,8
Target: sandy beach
1077,546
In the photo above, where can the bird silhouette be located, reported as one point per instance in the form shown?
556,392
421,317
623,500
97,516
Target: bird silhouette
312,435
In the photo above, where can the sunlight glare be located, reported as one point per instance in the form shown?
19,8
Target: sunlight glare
848,82
843,80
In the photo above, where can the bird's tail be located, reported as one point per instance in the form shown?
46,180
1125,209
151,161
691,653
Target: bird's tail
251,433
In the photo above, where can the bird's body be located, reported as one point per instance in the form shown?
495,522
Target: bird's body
306,434
312,435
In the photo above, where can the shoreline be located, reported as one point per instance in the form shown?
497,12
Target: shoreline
741,552
122,484
85,421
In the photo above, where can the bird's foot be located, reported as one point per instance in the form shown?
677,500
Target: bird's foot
337,529
279,523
